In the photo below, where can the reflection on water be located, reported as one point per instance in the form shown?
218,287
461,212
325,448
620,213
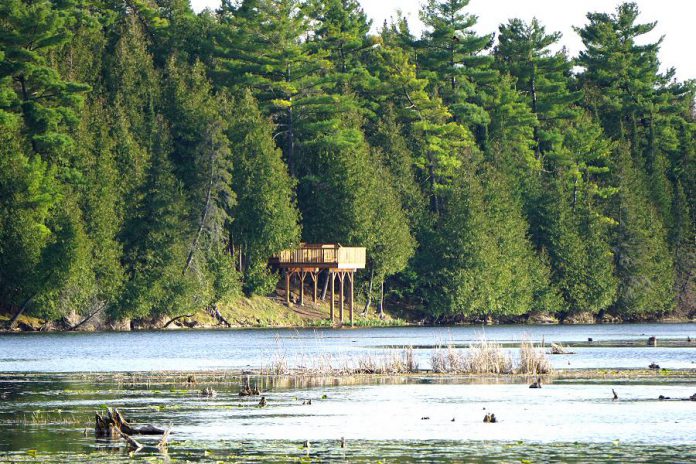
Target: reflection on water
242,349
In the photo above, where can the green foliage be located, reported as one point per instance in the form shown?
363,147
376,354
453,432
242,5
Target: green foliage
153,158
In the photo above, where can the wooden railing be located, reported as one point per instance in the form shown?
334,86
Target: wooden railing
324,255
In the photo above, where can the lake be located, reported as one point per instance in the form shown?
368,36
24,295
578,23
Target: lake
51,384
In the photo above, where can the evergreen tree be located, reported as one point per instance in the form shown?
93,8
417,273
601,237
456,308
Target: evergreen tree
451,59
644,265
265,217
155,246
542,77
261,47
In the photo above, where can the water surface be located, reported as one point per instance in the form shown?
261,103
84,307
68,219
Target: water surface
48,398
253,348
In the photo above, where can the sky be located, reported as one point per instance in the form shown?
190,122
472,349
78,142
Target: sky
676,20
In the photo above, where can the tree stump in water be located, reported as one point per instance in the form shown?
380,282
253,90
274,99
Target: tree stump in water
112,422
652,341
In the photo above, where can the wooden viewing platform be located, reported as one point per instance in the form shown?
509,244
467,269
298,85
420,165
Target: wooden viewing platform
311,258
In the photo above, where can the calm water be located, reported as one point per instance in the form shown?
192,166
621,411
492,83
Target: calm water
240,349
47,401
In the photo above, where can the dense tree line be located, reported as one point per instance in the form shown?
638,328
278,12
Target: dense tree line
152,158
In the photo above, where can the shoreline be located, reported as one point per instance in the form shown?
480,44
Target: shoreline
35,325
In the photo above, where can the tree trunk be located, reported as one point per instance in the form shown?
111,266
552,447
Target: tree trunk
326,286
369,293
13,322
88,318
381,300
206,206
434,204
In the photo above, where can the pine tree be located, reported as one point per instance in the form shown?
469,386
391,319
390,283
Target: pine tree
29,31
451,59
261,47
542,77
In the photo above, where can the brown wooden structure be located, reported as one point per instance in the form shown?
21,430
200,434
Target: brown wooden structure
309,259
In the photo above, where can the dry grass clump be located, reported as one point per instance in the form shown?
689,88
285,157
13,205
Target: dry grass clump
394,362
448,361
482,357
402,362
278,365
533,361
487,357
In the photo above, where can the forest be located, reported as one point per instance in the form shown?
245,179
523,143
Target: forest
152,159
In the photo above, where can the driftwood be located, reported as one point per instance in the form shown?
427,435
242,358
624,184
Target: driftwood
176,319
215,312
15,319
112,424
132,442
88,318
163,442
557,348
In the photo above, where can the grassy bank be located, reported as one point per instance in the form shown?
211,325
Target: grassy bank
271,311
253,312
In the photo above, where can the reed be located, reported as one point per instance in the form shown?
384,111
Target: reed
394,362
488,357
533,361
482,357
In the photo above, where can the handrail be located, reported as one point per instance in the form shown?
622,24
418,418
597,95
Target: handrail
323,254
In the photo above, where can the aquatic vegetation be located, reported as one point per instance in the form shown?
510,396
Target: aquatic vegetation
45,417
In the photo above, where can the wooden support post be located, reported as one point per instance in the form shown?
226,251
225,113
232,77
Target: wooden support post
332,277
350,301
342,296
287,287
315,279
302,275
